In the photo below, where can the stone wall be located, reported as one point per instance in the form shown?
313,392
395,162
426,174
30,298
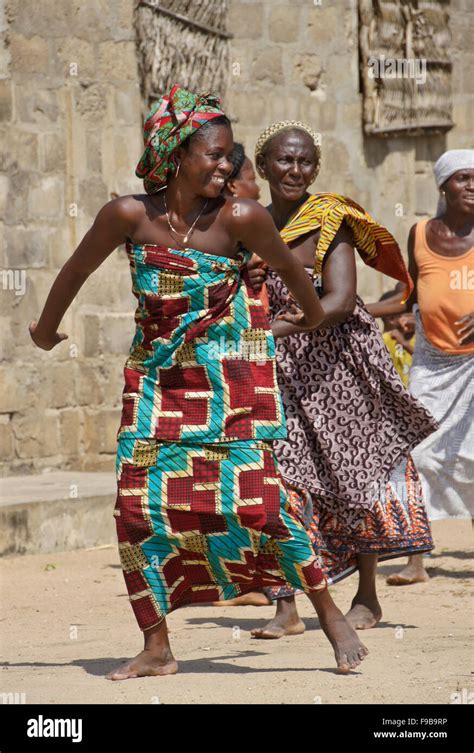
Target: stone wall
299,60
70,117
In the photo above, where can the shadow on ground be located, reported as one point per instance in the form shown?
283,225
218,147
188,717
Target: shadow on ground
215,665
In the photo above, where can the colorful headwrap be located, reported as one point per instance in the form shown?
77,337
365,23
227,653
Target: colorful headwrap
173,118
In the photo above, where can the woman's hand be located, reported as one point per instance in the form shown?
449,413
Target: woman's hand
255,261
290,322
257,277
397,336
280,328
257,270
45,342
254,229
466,332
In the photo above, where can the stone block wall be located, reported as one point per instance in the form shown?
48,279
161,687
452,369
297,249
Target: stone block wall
70,117
299,60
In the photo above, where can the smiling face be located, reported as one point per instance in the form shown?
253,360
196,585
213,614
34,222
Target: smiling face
459,190
204,160
289,163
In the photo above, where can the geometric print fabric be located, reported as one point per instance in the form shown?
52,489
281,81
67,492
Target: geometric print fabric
205,522
201,366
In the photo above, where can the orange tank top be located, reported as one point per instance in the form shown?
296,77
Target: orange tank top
445,291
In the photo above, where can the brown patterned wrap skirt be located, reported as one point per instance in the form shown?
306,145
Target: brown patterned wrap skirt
351,427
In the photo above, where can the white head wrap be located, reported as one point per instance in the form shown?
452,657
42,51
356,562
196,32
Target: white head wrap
448,164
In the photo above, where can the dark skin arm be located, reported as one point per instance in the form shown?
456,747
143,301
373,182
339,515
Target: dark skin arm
255,229
339,280
116,222
399,337
387,307
394,304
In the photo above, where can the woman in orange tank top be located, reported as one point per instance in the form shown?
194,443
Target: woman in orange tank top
441,264
445,287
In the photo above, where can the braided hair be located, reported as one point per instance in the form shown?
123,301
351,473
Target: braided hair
237,159
286,125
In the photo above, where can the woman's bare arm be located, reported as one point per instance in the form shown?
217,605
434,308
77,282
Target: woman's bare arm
394,305
339,280
389,306
412,268
113,224
253,226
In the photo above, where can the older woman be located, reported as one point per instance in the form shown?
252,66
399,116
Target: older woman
441,262
351,422
201,510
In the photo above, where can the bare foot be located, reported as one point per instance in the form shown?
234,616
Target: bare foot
280,626
252,599
348,649
408,575
363,616
145,664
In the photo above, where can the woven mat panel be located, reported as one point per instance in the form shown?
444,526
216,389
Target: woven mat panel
410,90
181,42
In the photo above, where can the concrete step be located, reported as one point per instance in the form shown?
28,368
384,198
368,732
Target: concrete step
56,512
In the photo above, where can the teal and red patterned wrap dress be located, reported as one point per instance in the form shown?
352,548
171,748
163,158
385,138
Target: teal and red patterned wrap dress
201,510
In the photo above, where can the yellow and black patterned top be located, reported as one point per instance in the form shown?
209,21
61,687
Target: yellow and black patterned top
375,244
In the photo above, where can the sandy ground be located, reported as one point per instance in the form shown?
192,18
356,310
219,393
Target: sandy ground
68,621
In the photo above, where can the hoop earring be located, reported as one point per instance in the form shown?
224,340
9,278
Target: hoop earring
177,170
